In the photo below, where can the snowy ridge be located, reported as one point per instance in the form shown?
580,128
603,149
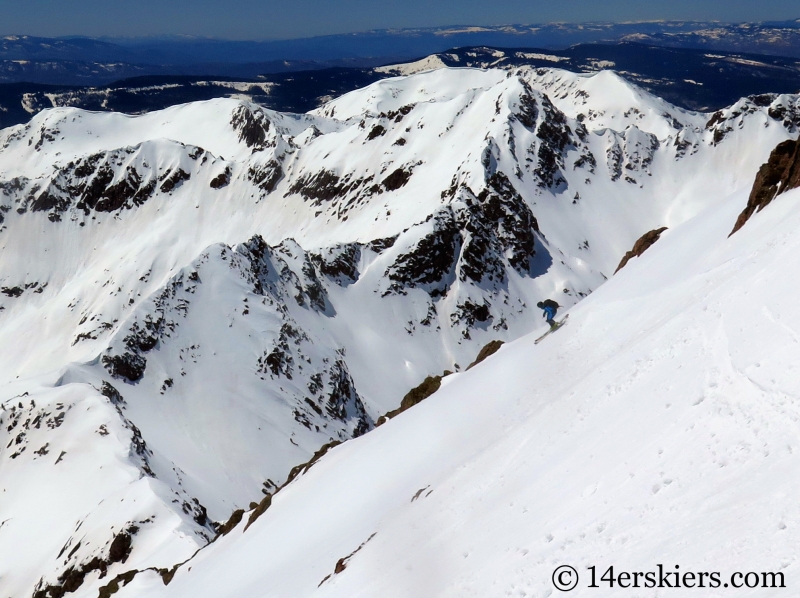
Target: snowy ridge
420,66
229,288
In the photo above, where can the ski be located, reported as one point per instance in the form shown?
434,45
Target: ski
557,326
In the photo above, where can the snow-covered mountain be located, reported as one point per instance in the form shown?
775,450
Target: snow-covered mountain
194,301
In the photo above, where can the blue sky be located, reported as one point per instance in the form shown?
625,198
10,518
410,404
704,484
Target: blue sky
268,19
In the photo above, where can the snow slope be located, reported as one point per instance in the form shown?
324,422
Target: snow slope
659,426
225,289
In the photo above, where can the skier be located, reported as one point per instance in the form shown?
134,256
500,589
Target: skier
550,308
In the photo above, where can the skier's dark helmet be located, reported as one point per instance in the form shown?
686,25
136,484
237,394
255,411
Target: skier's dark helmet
540,305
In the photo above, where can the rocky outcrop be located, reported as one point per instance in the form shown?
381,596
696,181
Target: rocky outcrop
128,361
103,182
780,108
471,241
282,272
339,263
488,350
72,578
252,126
429,264
779,174
96,185
415,396
398,178
326,186
265,176
222,179
554,135
642,244
173,179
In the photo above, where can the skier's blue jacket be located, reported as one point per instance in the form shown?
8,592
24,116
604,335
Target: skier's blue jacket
549,307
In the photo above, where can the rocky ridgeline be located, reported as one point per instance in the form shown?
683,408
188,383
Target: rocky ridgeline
112,181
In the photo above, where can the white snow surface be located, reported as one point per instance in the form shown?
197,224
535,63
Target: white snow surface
659,426
410,68
194,300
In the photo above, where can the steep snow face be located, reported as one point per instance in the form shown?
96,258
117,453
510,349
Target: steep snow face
230,288
659,426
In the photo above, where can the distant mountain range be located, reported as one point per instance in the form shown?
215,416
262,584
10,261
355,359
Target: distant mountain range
83,61
693,79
